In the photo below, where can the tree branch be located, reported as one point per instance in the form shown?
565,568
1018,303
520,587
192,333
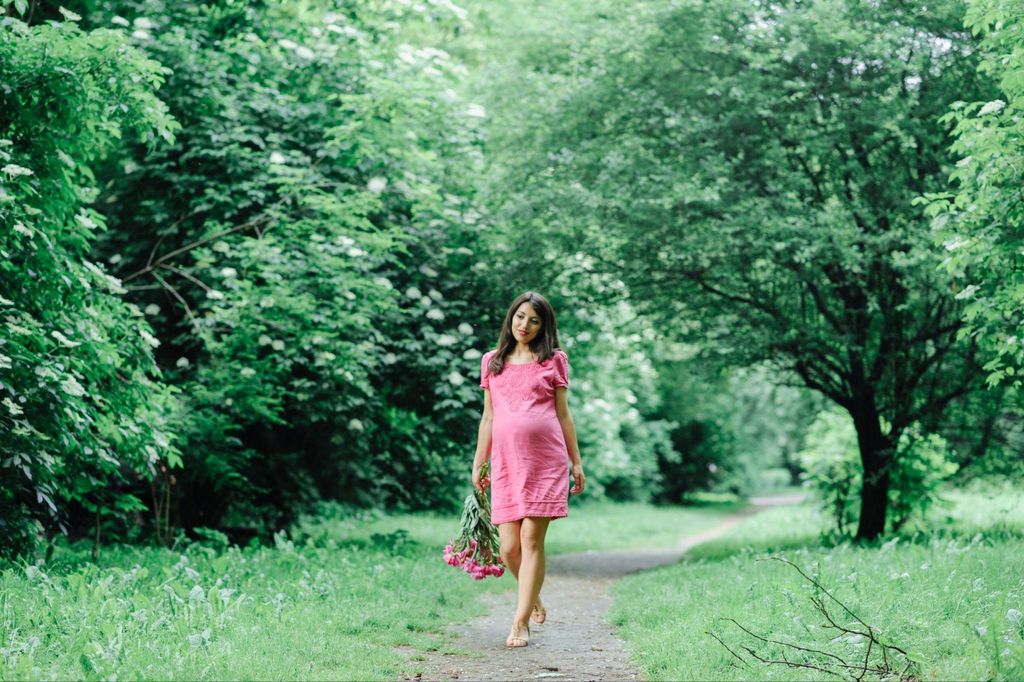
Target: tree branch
181,300
150,267
829,663
781,643
738,657
191,278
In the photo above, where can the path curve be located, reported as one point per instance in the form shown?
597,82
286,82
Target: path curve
576,642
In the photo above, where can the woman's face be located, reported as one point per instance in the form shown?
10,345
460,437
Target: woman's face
526,324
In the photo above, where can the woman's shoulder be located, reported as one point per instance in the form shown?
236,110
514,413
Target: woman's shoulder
558,355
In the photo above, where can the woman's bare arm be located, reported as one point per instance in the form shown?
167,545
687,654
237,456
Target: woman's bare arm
483,442
569,432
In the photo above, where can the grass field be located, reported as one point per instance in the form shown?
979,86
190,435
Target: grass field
952,598
337,603
325,610
354,594
614,526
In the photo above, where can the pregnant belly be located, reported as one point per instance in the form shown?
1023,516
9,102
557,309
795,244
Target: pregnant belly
530,435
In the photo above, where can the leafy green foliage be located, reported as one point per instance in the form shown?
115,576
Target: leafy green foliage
316,249
768,420
738,430
524,58
697,454
746,170
85,412
303,250
831,462
923,466
831,466
978,221
614,398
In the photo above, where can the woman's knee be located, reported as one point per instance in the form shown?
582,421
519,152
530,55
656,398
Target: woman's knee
532,536
531,543
511,552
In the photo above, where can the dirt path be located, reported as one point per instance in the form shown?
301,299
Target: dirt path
576,642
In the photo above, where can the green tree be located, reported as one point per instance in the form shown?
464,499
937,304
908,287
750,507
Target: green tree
979,220
832,469
304,251
84,412
748,170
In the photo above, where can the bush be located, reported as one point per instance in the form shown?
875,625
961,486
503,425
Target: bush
312,284
831,460
84,412
614,398
693,462
831,463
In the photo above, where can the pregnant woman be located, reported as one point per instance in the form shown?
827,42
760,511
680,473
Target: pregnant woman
528,432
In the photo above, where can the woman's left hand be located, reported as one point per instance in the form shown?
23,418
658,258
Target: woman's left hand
480,479
578,480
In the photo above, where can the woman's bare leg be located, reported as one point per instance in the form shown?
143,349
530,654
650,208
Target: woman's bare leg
512,556
511,549
531,565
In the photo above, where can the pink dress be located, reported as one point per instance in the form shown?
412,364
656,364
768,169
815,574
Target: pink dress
529,458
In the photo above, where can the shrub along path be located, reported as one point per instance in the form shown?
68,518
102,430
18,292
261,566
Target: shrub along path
576,642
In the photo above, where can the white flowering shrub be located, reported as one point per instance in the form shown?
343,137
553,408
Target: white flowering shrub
83,412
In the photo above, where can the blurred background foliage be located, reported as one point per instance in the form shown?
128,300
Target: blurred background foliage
253,251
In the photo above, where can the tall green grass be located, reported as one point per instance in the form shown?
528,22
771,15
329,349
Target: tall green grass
334,606
952,597
350,597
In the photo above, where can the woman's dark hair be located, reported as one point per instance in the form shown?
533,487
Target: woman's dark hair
544,344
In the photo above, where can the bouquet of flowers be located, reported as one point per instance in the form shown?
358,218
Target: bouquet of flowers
476,549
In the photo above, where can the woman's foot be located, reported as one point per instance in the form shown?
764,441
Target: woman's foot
539,614
516,638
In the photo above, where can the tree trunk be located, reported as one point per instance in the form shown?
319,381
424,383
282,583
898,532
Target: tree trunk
876,455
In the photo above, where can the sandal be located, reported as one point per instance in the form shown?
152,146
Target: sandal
516,638
539,614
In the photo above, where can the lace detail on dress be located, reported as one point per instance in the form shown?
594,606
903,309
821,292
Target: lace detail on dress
517,388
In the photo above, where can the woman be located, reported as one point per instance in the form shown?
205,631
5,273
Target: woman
528,432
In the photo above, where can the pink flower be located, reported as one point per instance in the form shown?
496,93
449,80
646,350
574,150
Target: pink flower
468,560
475,547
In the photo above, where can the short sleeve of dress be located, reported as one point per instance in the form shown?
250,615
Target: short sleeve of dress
561,367
484,361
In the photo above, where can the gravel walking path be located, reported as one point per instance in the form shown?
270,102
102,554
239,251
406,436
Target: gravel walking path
576,642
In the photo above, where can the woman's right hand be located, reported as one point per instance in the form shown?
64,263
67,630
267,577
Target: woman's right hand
480,482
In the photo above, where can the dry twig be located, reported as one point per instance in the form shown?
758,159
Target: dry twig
813,658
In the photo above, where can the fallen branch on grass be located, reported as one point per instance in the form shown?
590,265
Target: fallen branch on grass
890,661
